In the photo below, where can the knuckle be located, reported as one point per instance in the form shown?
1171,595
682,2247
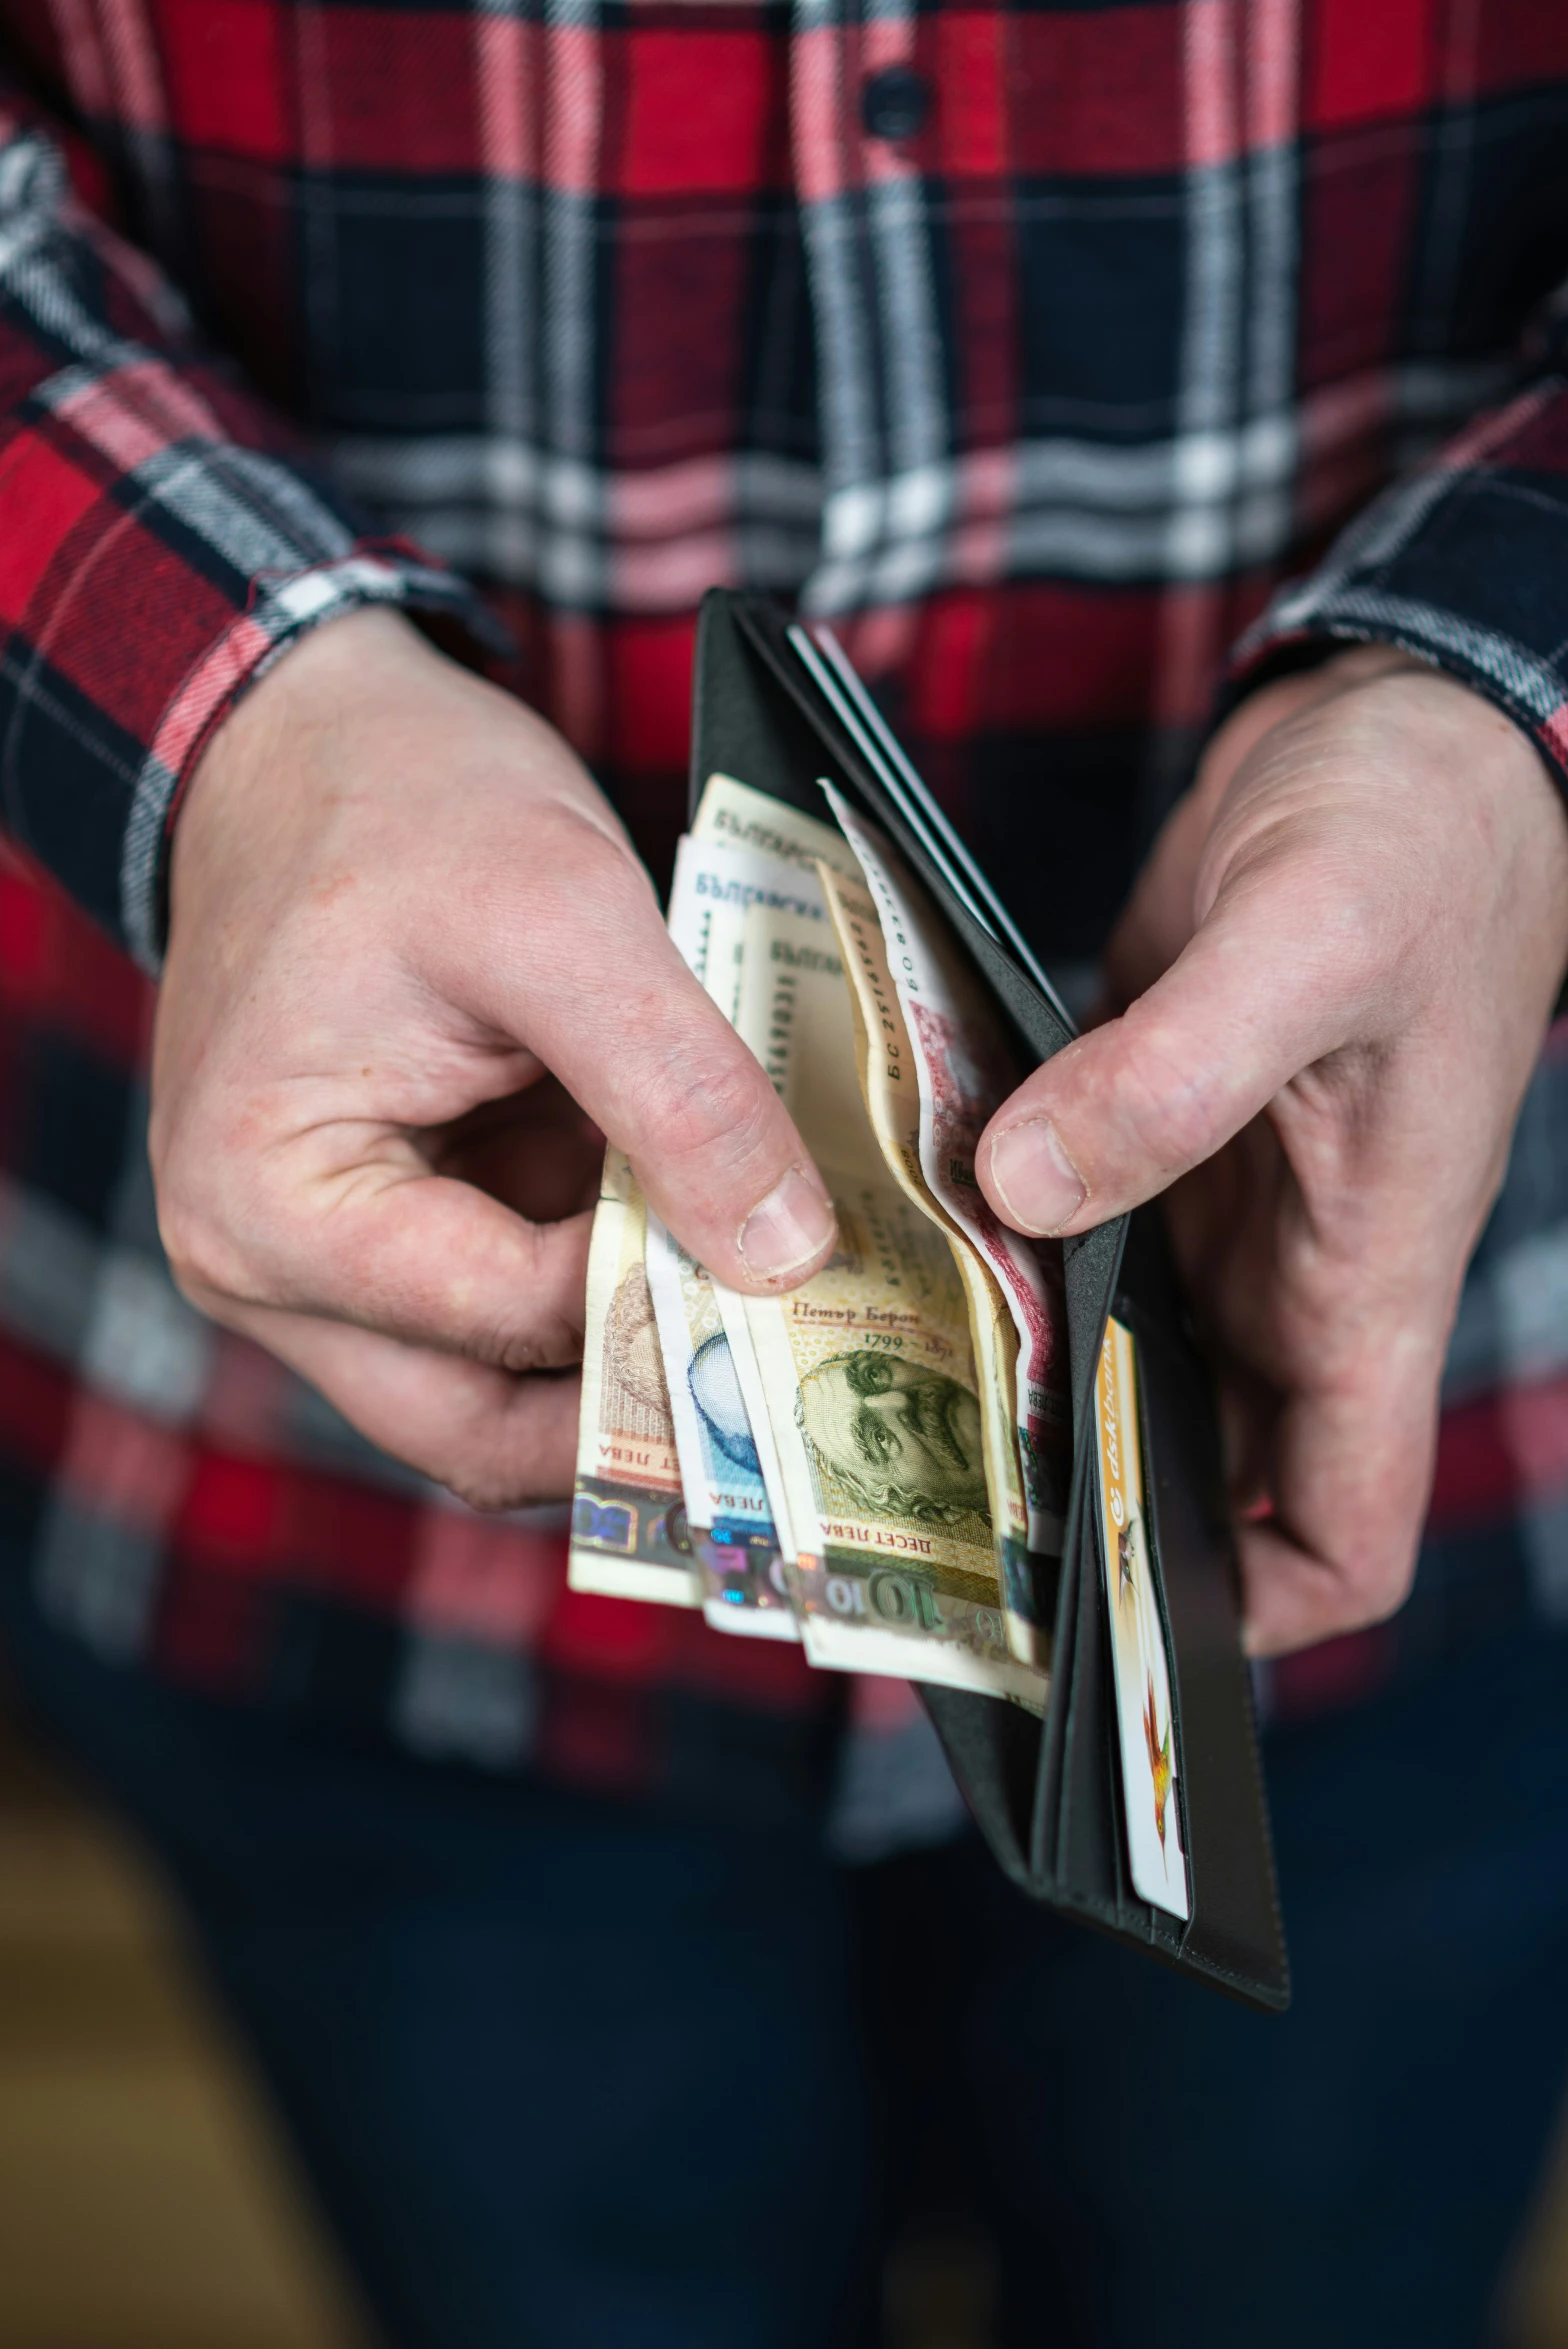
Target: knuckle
585,872
1375,1583
1388,1586
202,1259
710,1106
534,1333
1360,934
1169,1103
488,1484
485,1490
203,1201
521,1353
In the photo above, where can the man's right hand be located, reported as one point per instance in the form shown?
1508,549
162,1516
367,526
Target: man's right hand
408,938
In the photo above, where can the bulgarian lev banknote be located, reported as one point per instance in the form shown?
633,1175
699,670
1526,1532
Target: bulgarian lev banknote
892,1098
629,1537
732,815
730,812
842,1459
734,1542
709,1359
867,1368
964,1071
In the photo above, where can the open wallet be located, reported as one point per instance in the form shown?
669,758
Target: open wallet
777,704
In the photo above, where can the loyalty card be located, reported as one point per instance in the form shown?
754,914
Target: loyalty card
1143,1681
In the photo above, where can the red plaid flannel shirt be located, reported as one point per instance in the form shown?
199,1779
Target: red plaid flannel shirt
1037,344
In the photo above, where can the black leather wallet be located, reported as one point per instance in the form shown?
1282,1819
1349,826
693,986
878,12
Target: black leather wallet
776,706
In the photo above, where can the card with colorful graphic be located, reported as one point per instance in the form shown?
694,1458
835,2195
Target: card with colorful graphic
1150,1762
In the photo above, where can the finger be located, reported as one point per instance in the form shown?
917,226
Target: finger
535,1151
660,1070
359,1230
1328,1372
499,1442
1351,1473
1267,986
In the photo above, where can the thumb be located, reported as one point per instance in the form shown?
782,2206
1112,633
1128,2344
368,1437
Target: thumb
1265,987
657,1066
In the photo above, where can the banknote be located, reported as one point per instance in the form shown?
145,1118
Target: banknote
867,1368
716,880
735,815
728,1515
892,1098
964,1071
746,848
718,874
629,1538
1147,1732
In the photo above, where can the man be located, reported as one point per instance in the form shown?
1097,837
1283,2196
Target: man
1037,348
897,1438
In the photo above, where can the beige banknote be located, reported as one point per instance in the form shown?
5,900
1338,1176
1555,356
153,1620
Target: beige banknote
868,1370
629,1537
892,1097
729,1517
716,880
733,828
965,1068
735,815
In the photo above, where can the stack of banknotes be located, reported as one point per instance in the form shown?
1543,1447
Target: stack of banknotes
874,1464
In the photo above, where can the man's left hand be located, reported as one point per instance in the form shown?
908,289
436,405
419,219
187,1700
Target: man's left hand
1334,976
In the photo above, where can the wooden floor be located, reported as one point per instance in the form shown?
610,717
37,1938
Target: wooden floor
144,2200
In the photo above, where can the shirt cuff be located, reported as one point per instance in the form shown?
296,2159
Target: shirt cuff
1465,566
284,610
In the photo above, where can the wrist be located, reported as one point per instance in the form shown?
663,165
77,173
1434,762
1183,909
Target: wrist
304,684
1425,783
247,779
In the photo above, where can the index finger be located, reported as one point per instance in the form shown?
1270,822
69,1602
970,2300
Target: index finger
1274,980
1351,1476
595,985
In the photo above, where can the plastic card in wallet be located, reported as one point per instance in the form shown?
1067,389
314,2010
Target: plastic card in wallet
1162,1701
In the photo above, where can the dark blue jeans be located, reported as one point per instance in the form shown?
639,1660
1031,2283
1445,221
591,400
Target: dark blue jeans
579,2075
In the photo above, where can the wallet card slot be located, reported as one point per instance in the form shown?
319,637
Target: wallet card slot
993,1751
1091,1860
1235,1931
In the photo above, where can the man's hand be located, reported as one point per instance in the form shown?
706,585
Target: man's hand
1335,974
408,938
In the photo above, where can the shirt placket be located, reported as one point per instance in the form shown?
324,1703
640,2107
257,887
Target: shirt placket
882,404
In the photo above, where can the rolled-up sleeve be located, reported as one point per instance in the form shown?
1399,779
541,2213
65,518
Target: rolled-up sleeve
162,541
1463,564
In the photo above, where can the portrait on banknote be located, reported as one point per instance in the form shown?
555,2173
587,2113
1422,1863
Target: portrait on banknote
894,1440
633,1364
715,1390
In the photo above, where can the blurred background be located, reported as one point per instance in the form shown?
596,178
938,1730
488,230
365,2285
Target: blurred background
146,2202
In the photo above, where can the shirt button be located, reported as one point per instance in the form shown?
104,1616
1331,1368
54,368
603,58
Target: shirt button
895,102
